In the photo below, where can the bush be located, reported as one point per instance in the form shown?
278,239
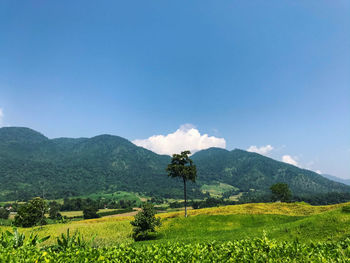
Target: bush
4,213
346,209
90,212
145,223
16,240
75,241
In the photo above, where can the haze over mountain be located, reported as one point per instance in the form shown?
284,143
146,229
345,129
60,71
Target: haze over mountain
336,179
32,165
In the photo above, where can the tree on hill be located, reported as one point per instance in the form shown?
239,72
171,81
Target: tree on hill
281,192
182,166
145,223
31,213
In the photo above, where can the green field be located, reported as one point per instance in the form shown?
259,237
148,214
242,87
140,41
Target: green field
278,222
218,189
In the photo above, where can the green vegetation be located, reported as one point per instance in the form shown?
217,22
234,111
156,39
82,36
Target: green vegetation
182,166
31,213
54,211
256,250
295,232
67,241
4,213
280,192
218,189
32,165
145,223
346,209
90,212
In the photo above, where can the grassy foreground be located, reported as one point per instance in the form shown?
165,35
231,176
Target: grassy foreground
279,221
266,232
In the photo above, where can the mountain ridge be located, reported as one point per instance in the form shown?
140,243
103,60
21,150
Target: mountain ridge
31,163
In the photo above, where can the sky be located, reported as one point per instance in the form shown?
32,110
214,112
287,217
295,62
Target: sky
271,77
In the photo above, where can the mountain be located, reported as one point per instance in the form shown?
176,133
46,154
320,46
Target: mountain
336,179
32,165
247,170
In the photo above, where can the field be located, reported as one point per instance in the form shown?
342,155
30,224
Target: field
225,226
216,190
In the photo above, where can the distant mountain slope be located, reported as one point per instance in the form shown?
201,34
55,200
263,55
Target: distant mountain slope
31,164
336,179
247,170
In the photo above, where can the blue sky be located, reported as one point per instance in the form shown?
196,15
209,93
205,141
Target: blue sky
254,73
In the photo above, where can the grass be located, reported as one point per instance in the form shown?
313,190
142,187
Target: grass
278,220
119,195
290,209
219,227
108,232
333,225
80,213
218,189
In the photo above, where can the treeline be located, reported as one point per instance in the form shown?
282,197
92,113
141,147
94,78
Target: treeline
76,204
208,202
34,212
312,199
261,197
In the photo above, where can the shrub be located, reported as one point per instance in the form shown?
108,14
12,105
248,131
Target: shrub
16,240
67,241
145,223
346,209
54,210
4,213
90,212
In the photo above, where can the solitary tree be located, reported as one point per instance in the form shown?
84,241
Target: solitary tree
145,223
280,192
182,166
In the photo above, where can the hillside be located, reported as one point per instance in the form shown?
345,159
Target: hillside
247,170
32,165
280,221
337,179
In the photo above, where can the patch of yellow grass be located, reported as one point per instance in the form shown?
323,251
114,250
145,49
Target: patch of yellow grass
290,209
108,231
80,213
71,213
113,230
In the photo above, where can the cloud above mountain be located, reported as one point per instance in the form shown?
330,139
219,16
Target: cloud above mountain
289,159
264,150
187,137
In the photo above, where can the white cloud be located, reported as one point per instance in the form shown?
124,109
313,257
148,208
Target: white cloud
187,137
289,159
318,171
1,116
264,150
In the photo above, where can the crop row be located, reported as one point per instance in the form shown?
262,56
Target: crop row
255,250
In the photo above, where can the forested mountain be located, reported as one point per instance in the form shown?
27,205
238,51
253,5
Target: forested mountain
32,165
247,170
337,179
